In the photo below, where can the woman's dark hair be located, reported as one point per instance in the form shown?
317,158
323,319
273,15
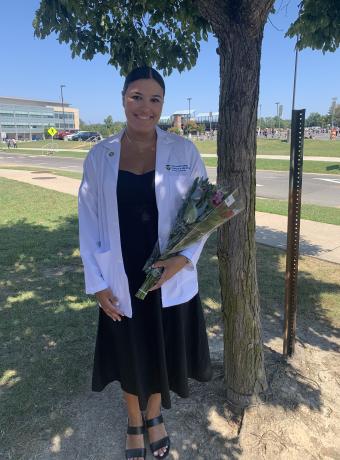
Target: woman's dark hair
142,73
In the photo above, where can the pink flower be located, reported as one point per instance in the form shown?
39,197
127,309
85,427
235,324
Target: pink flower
217,198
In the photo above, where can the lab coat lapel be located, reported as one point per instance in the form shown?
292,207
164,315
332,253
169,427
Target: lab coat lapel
162,188
113,153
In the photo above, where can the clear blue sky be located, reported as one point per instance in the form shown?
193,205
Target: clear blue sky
33,68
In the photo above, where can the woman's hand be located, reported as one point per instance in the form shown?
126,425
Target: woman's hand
171,267
109,303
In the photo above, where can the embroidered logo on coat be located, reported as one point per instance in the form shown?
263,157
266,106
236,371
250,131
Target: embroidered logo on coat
177,168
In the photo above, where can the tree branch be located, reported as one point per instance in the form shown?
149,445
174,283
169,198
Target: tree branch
251,14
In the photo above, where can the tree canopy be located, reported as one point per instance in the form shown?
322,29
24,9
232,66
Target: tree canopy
165,33
318,25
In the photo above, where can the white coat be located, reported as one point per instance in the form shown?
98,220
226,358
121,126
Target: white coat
178,163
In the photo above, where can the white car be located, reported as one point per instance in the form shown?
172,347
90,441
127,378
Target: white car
69,136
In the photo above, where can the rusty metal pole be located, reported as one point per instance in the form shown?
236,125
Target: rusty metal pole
293,230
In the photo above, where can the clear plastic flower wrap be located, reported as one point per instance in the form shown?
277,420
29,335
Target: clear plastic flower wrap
206,207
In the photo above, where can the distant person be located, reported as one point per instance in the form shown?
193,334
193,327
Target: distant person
14,143
9,143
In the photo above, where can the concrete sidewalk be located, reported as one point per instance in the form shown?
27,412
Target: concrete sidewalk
316,239
283,157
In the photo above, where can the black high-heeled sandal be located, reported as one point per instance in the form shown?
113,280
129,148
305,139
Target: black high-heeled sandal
164,442
137,452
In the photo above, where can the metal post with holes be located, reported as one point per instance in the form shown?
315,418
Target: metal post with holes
293,230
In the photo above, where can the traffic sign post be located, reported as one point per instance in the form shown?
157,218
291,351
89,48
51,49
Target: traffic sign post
52,132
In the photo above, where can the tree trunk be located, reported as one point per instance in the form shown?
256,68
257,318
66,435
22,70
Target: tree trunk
239,34
236,146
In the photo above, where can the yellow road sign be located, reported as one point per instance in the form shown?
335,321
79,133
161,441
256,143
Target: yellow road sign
52,131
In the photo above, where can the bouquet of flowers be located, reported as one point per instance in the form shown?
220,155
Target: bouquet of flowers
205,208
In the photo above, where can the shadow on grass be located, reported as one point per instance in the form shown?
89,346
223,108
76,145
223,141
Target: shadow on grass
314,325
48,328
335,167
278,239
287,387
47,333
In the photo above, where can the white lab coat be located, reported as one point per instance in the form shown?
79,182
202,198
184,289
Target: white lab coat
177,164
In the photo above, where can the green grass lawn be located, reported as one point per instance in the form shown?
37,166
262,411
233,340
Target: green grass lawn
48,324
312,212
277,147
323,214
319,167
58,144
325,148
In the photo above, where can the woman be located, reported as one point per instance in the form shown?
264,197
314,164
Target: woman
132,188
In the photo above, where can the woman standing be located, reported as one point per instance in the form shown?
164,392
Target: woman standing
132,188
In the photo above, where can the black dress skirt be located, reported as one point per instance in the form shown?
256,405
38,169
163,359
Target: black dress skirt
158,349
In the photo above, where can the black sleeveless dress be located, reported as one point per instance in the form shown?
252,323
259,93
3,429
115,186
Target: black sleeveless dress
158,349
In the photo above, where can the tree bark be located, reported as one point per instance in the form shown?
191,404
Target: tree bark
236,146
239,32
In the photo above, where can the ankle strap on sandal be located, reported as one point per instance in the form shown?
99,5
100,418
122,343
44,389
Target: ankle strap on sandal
136,429
154,421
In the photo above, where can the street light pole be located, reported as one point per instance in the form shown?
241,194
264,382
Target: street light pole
62,103
189,99
334,99
277,109
295,74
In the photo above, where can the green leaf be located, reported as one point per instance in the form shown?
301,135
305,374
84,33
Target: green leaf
161,33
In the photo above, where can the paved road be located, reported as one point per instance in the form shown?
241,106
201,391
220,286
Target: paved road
68,164
320,189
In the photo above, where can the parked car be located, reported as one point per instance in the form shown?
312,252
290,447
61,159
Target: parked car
68,137
61,134
89,136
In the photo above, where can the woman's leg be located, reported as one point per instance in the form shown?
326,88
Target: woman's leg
155,432
134,441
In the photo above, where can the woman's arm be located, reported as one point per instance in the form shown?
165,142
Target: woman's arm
89,238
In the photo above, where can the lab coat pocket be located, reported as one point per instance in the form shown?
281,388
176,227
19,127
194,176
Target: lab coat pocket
108,270
111,271
106,266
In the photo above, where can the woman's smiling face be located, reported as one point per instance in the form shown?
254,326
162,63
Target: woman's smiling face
143,103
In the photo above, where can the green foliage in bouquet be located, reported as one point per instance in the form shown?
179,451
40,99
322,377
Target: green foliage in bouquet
206,207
